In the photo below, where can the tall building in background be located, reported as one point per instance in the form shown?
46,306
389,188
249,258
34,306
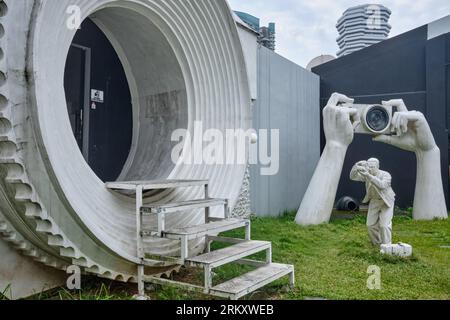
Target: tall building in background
267,35
362,26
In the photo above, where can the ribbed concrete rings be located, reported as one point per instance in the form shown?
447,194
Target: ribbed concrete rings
56,207
12,228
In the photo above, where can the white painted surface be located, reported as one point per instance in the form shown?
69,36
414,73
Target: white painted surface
70,213
414,135
439,27
25,276
317,61
381,199
402,250
227,255
249,282
318,202
249,40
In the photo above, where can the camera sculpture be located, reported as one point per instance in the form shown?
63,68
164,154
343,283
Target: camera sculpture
372,119
389,123
54,210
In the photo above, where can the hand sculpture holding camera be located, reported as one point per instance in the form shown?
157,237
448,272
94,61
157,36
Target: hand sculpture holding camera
413,134
318,202
412,130
341,120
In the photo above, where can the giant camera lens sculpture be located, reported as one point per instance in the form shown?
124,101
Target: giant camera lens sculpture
372,119
378,119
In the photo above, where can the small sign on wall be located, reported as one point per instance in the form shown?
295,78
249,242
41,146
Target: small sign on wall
97,96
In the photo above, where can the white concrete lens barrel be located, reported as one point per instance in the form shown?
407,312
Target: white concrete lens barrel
53,206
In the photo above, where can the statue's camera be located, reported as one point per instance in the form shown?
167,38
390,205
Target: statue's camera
372,119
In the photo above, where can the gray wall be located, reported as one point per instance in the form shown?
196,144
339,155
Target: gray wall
288,100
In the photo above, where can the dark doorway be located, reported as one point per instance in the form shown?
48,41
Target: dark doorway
77,86
99,102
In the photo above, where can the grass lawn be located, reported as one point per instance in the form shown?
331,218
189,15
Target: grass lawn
331,262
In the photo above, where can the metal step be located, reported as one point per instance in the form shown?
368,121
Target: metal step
155,185
233,253
252,281
203,230
156,208
238,287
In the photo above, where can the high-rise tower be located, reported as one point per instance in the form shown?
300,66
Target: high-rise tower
266,35
362,26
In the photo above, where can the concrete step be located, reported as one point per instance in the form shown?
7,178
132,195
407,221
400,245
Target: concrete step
200,231
252,281
233,253
156,208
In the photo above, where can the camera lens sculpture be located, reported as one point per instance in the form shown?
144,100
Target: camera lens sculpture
54,209
372,119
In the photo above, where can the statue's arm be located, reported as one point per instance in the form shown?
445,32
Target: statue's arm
354,174
414,134
318,202
429,200
383,183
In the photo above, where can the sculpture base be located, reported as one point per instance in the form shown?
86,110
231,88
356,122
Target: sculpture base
21,277
402,250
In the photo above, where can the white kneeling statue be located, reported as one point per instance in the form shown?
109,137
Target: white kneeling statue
381,199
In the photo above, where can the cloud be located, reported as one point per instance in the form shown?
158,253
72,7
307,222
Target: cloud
307,28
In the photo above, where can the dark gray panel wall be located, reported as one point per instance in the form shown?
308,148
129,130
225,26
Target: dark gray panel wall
288,100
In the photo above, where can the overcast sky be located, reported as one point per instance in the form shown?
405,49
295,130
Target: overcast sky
306,28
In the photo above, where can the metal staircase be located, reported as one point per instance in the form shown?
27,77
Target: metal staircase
238,251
